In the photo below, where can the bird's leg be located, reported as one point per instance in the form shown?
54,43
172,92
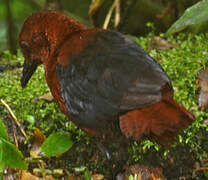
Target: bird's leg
115,148
104,150
120,157
116,153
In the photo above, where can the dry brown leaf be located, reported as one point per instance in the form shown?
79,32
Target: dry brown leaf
38,138
47,97
11,174
202,82
143,173
48,178
98,177
159,43
28,176
58,172
205,122
73,177
156,174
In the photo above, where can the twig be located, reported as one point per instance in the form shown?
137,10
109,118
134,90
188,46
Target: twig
107,18
201,169
204,160
48,97
14,133
117,13
13,117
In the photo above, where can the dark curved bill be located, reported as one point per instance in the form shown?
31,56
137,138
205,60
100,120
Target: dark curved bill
28,70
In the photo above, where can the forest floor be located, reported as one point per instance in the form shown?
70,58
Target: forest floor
182,57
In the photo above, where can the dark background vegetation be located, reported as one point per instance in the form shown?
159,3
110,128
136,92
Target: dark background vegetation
134,14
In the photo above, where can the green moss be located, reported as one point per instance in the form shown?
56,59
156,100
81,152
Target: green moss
47,116
181,64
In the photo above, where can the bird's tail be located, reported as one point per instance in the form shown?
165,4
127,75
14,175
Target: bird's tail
160,122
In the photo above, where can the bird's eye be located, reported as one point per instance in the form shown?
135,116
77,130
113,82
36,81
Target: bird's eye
25,46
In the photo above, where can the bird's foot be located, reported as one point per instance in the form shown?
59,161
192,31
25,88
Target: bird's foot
104,150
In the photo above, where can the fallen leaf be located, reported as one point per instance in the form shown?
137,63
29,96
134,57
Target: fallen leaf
73,177
38,138
159,43
11,173
47,97
142,172
97,177
58,172
42,171
205,122
28,176
48,178
202,82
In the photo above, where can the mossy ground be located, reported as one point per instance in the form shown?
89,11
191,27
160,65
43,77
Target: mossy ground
181,64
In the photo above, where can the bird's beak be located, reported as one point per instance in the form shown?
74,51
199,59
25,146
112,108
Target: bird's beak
28,70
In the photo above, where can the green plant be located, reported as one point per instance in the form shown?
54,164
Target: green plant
9,154
57,143
181,64
195,15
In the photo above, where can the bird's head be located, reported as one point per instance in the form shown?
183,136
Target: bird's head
41,35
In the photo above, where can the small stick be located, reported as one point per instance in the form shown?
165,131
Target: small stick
107,18
117,13
204,160
13,117
14,133
201,169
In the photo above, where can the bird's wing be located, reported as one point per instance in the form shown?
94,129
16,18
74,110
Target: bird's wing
111,75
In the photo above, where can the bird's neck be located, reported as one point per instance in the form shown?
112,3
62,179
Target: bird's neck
56,34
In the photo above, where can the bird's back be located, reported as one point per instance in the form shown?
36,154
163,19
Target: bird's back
111,75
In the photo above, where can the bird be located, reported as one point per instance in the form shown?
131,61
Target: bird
102,80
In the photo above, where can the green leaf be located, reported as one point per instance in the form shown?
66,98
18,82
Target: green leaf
1,152
30,119
196,14
131,177
87,175
57,143
3,131
205,174
11,156
1,160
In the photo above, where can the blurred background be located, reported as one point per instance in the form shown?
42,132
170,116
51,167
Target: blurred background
133,17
